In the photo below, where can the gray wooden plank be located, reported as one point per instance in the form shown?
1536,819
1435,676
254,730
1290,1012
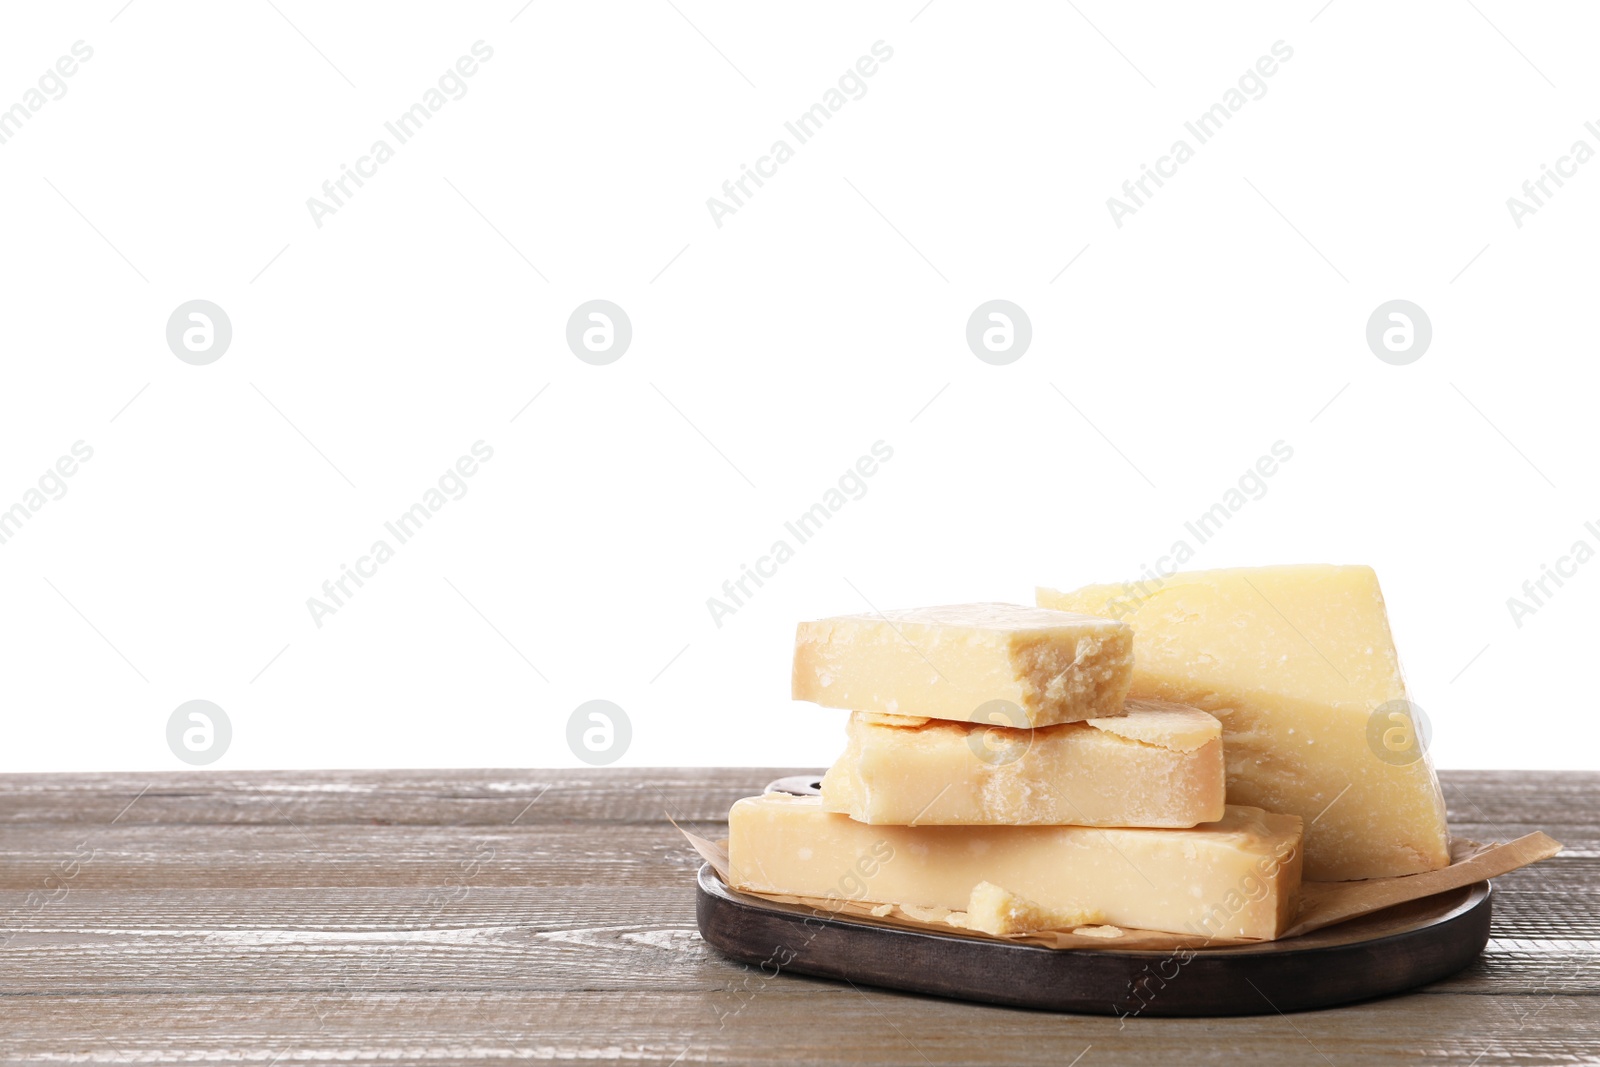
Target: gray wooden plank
784,1020
444,798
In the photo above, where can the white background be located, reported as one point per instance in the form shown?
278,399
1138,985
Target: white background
768,354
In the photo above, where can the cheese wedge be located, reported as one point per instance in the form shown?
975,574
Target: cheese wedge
1237,877
1299,665
1157,765
952,662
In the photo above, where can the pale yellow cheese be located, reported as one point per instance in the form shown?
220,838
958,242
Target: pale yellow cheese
950,662
1157,765
996,910
1299,664
1237,877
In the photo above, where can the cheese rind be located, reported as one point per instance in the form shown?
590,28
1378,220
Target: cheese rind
1299,665
1237,877
948,662
1157,765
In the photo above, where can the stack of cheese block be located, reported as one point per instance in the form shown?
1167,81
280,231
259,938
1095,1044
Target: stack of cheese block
1168,757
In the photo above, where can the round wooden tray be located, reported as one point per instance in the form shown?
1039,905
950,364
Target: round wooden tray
1396,949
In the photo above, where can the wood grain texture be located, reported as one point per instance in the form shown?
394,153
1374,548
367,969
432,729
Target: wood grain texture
454,916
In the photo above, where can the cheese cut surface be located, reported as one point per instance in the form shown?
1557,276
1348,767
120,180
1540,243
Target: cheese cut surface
1237,877
1299,665
1157,765
948,662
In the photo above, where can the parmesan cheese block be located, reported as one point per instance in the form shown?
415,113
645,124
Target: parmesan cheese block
1157,765
1299,665
950,662
1237,877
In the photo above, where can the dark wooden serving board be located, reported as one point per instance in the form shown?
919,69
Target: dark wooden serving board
1399,948
1386,952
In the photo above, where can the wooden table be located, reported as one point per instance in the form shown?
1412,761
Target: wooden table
423,917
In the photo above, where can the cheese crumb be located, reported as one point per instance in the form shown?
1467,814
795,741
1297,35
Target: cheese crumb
1000,912
1098,931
